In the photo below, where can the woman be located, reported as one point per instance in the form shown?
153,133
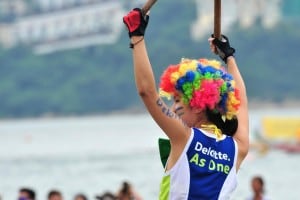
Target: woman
204,158
257,184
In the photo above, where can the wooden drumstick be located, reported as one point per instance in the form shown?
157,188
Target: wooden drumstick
147,6
217,19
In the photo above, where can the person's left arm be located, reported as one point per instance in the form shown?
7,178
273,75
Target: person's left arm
167,120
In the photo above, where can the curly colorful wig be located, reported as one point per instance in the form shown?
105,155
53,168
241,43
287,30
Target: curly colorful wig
204,84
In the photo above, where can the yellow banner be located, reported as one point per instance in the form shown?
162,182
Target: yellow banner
281,127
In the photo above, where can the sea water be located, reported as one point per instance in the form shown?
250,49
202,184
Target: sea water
97,153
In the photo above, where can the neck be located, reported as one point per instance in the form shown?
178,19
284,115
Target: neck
258,196
201,121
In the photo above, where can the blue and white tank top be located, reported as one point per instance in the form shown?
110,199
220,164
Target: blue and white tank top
206,169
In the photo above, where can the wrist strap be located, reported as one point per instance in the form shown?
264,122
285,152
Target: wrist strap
226,59
131,45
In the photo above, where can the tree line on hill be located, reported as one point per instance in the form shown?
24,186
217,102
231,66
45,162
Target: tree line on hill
99,79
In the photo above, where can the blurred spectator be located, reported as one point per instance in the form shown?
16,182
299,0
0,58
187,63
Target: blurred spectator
106,196
26,194
257,185
80,197
55,195
127,192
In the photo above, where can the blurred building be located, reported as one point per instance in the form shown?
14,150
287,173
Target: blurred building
52,25
12,7
240,12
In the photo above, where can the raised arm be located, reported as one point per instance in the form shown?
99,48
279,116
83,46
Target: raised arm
145,82
242,133
225,51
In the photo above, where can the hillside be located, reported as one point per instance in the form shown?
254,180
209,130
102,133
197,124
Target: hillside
99,79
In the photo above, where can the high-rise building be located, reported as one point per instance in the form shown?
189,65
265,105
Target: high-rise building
244,13
53,25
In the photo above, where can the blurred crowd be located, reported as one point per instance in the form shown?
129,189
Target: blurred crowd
126,192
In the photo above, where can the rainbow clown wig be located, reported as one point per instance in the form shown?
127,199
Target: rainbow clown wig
204,84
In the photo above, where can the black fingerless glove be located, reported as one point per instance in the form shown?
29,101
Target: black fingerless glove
224,50
136,22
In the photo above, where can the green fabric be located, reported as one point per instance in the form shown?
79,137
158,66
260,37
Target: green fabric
165,188
164,150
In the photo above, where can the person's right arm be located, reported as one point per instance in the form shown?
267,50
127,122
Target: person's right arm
242,133
225,51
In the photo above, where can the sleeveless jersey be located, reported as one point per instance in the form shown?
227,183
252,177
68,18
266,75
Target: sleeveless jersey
206,169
